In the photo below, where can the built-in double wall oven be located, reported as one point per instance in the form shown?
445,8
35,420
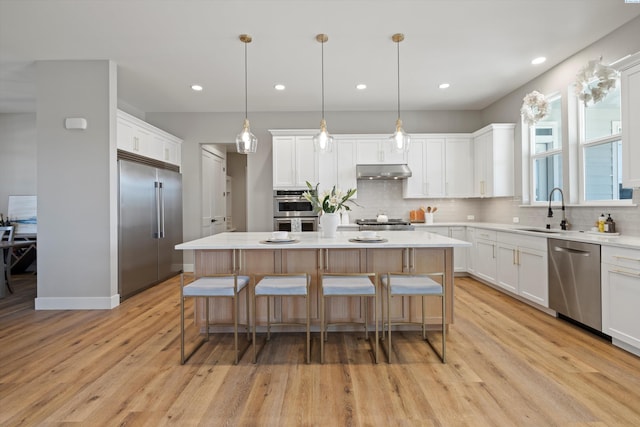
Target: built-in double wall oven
292,212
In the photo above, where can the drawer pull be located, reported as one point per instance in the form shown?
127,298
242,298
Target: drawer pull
626,273
626,258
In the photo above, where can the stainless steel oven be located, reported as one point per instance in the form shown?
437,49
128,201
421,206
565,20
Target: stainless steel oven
288,203
292,212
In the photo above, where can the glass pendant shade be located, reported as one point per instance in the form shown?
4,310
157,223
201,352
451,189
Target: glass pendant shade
246,142
323,141
400,140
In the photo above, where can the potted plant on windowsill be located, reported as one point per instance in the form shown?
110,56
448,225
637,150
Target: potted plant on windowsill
329,204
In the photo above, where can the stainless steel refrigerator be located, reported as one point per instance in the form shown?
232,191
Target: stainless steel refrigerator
150,225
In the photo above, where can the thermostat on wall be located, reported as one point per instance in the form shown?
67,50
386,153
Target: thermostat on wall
75,123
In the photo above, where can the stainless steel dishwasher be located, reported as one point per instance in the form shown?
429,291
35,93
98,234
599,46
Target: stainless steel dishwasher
574,281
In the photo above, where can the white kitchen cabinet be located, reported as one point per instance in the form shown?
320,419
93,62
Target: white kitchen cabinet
459,166
372,150
485,255
327,170
522,266
459,254
138,137
493,160
621,296
630,110
471,252
426,160
294,161
346,164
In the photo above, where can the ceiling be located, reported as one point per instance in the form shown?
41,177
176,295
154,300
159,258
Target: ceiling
483,48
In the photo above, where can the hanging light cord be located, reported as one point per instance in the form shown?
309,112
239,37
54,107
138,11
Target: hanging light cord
398,58
245,82
322,70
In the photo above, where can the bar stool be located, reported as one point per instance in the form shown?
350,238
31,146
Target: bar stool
352,285
409,284
281,285
6,234
214,286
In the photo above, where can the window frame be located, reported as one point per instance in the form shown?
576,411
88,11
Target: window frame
533,156
583,145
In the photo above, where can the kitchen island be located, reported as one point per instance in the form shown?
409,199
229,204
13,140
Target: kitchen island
396,251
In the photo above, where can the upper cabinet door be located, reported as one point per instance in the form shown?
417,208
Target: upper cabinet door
306,162
294,162
459,167
284,161
493,160
377,150
426,161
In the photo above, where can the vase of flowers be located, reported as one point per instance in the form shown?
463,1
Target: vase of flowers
328,205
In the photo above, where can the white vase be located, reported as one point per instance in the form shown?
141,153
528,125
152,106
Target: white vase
329,223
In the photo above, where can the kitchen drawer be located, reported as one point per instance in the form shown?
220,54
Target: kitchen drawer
516,239
481,233
622,257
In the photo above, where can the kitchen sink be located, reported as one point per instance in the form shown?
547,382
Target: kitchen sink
540,230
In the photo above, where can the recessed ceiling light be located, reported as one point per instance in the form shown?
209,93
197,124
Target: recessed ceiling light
539,60
444,85
279,86
361,86
197,88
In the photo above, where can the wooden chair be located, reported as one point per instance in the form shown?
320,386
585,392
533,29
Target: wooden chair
351,285
6,235
281,285
215,286
409,284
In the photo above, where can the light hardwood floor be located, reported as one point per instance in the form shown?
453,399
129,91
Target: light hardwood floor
508,365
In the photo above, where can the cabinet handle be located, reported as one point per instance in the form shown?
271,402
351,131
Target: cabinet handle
326,259
493,247
514,258
482,188
518,255
626,258
626,273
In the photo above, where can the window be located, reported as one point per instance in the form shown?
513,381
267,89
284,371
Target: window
601,150
546,149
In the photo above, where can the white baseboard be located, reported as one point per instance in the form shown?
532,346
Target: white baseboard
77,303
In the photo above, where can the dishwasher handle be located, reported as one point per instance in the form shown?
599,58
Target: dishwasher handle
571,251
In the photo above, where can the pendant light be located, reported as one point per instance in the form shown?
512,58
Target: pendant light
323,141
400,140
246,142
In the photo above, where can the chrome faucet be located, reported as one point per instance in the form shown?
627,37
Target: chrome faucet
563,224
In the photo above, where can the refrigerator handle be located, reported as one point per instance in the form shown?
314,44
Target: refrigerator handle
157,235
162,235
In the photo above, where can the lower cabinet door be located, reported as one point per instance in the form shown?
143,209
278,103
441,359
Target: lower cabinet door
533,282
620,302
507,269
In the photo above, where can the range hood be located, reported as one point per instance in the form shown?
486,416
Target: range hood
398,171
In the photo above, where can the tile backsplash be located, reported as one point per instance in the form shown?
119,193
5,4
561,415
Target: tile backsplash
385,196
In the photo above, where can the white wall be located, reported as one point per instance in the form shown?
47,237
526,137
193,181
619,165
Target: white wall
77,186
18,142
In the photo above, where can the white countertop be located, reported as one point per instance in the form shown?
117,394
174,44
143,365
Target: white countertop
632,242
313,240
